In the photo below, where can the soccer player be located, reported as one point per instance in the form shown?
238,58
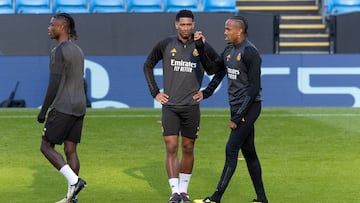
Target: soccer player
242,62
65,97
182,76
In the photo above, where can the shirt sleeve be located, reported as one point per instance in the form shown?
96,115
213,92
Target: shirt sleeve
214,83
153,58
210,60
212,63
54,79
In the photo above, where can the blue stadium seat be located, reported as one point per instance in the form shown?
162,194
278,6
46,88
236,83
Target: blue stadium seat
145,6
107,6
32,6
176,5
335,7
6,7
70,6
219,6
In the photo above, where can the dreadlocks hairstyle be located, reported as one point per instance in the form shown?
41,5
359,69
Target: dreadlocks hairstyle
184,14
242,21
69,21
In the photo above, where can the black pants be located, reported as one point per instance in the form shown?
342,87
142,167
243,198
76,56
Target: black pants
243,138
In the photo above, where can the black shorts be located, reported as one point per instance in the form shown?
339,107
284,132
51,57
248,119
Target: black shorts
60,127
181,119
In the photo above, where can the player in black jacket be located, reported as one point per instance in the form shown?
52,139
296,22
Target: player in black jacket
182,78
241,62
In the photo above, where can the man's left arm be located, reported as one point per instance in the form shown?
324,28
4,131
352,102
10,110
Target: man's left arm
210,60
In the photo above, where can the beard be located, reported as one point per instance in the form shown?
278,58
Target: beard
185,36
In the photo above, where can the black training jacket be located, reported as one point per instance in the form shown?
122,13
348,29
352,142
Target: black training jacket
182,70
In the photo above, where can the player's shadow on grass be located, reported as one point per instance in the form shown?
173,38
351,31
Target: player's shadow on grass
43,177
154,174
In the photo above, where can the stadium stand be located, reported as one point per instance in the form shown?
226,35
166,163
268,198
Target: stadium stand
114,6
219,6
176,5
32,6
145,6
107,6
6,7
335,7
70,6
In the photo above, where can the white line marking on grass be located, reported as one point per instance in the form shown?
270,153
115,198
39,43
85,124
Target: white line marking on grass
204,115
290,115
310,115
88,116
122,116
18,116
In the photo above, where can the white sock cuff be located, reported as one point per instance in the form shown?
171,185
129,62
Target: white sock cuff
69,174
185,176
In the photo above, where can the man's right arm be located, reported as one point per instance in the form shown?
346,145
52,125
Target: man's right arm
53,86
153,58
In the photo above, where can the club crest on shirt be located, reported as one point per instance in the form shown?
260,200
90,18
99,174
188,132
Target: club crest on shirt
228,57
173,52
195,52
238,57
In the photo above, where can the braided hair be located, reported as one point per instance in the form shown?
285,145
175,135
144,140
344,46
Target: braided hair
69,21
242,21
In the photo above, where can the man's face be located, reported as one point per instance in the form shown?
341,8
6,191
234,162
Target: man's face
232,32
185,27
55,27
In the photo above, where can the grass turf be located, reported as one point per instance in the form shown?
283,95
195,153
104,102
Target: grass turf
307,155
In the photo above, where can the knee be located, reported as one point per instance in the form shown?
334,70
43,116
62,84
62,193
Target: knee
69,148
231,151
44,147
171,147
69,151
188,148
249,154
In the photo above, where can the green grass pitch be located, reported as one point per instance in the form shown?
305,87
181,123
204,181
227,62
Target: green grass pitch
308,155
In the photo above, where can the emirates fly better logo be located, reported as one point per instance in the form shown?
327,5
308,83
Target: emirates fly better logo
181,65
